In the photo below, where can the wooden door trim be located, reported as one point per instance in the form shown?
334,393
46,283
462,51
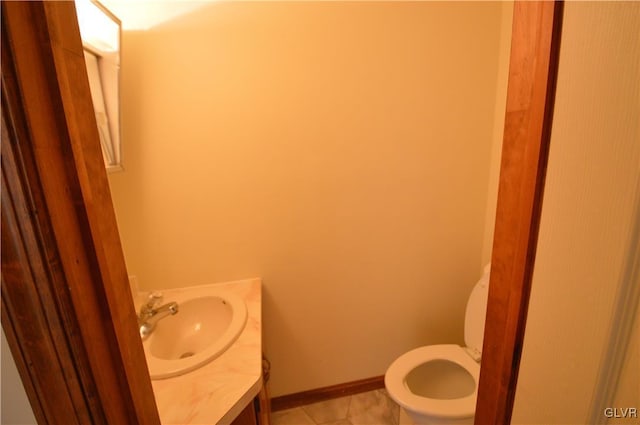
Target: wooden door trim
66,299
529,112
92,346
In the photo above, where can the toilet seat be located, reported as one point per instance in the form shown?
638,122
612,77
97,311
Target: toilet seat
395,381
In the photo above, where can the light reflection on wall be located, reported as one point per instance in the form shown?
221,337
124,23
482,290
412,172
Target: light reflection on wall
146,14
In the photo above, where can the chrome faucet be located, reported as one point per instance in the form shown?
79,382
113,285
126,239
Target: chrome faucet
150,314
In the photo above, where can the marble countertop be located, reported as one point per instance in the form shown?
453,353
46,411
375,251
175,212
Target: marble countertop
218,391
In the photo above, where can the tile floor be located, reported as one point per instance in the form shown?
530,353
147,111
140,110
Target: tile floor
370,408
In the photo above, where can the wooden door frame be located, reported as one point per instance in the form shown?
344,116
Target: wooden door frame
67,309
66,305
533,65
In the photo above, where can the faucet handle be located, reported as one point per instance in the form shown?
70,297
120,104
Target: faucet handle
153,299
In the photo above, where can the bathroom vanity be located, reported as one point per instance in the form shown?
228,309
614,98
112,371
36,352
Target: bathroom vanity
229,388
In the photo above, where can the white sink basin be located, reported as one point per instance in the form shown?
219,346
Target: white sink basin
205,325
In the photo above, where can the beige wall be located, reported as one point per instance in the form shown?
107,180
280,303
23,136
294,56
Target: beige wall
587,213
14,406
628,389
340,151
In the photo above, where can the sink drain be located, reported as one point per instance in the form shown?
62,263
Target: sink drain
187,354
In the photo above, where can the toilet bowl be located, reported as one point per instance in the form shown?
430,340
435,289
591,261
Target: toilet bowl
438,384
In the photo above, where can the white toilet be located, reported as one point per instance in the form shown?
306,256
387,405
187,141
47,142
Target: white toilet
438,384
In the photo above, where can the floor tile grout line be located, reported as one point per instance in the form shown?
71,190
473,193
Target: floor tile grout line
349,408
308,415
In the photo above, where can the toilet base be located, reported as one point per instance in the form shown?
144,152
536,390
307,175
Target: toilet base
418,419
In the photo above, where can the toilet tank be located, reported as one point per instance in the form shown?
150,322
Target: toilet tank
476,313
